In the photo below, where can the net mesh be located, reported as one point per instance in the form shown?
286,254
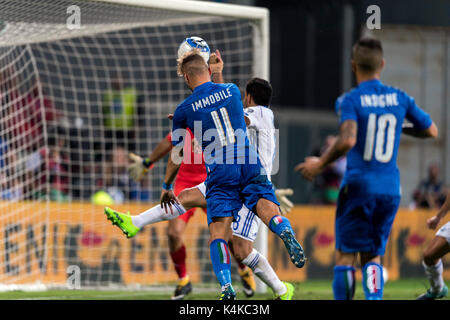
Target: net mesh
74,102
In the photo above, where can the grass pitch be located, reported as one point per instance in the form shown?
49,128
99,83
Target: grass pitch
407,289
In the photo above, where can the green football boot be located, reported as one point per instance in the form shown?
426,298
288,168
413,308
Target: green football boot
430,295
288,294
123,221
228,293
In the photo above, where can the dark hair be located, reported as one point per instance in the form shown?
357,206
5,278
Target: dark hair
260,90
367,53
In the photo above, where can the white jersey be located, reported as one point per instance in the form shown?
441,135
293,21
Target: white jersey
444,232
261,134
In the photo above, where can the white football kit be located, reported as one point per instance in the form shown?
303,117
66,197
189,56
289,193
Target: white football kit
261,134
444,232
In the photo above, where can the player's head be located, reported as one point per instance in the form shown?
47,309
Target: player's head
258,92
193,68
367,56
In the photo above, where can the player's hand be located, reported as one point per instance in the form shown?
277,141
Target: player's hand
310,169
136,169
285,204
167,199
433,222
215,62
170,116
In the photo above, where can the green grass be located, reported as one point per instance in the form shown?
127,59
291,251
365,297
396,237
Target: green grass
407,289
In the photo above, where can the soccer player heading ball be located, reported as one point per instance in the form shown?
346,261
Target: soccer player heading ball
259,181
371,123
235,175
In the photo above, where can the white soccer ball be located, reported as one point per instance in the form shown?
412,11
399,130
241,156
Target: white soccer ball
191,43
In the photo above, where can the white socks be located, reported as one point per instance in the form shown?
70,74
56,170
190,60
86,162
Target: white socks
434,276
263,270
157,214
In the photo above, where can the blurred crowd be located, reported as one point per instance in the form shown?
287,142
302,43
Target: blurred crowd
47,159
431,192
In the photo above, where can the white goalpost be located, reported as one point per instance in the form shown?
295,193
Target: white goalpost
82,83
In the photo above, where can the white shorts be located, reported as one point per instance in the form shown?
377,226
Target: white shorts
246,224
444,232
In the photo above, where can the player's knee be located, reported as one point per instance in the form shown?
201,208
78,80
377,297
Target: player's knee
183,197
429,258
174,232
242,249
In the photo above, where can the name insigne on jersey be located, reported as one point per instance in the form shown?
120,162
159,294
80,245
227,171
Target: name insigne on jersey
211,99
379,100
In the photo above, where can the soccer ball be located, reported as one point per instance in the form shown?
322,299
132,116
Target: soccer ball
194,43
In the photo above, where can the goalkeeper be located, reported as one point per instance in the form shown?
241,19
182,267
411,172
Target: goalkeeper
259,119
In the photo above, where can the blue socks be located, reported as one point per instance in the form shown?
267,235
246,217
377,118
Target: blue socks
220,257
373,281
278,223
344,283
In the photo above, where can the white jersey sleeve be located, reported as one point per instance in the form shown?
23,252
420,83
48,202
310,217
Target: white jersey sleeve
261,133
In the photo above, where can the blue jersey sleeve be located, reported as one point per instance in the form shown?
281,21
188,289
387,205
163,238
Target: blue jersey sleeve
178,127
345,109
419,118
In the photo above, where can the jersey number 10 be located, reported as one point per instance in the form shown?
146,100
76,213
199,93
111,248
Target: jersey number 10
227,136
385,121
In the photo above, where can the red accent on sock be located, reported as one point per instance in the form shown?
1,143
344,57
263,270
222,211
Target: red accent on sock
241,265
179,261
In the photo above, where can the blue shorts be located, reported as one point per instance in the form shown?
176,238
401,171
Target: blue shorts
229,186
363,222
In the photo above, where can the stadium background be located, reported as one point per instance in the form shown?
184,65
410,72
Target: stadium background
309,67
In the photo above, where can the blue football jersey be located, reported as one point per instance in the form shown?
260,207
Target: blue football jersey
215,114
379,111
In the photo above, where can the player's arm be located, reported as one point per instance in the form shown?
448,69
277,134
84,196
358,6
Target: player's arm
140,166
434,221
162,149
173,164
410,130
167,195
421,125
345,141
216,67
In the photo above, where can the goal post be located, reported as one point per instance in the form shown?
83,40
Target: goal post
74,102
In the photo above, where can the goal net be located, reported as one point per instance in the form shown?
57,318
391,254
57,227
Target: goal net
82,83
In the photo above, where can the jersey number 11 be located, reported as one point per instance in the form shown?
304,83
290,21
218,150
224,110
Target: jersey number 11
227,136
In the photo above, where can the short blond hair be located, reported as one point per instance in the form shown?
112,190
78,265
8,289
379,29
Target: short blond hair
191,63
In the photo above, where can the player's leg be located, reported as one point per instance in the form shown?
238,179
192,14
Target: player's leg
219,229
177,250
432,263
378,212
352,229
259,196
262,268
247,279
269,213
130,225
189,198
372,276
245,229
344,275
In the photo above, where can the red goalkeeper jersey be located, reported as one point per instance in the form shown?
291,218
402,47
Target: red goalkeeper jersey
192,170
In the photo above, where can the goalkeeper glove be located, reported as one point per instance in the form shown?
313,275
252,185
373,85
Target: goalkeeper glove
138,167
285,204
